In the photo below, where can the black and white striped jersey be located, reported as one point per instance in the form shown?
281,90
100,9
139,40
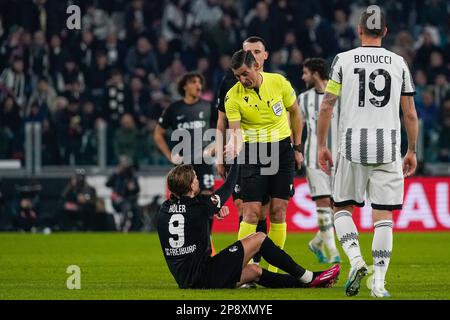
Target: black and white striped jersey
309,102
372,81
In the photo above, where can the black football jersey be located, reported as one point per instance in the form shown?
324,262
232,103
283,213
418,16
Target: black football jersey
184,234
195,119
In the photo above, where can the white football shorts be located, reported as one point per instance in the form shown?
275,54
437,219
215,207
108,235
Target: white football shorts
319,183
383,184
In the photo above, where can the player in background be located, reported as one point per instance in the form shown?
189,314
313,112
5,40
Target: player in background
192,114
372,82
262,111
257,47
183,230
320,186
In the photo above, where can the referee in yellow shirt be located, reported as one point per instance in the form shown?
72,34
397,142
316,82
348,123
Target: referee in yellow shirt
258,109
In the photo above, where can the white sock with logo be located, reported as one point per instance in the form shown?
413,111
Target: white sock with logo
317,240
381,250
348,236
325,220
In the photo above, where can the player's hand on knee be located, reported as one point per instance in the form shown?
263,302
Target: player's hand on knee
409,164
223,212
325,160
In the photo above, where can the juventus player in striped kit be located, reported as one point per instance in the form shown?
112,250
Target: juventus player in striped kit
372,82
315,77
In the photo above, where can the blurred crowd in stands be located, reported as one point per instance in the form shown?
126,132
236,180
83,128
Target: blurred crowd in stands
121,68
74,204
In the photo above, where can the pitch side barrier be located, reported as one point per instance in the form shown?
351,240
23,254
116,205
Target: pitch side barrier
426,207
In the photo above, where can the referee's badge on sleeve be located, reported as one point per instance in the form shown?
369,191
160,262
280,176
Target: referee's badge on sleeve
277,108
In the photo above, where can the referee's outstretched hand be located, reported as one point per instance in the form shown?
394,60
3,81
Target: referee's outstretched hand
325,160
231,151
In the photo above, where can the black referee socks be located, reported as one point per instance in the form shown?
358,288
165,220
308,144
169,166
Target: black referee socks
262,226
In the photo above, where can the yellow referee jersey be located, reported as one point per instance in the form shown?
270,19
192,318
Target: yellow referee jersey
263,113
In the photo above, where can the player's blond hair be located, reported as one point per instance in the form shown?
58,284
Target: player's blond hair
179,180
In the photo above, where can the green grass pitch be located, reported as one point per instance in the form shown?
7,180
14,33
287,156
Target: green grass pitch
131,266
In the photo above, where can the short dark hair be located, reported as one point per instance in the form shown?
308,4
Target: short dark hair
242,57
317,65
186,78
254,39
43,78
179,180
116,72
371,31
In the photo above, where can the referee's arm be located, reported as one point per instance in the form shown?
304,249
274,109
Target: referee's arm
235,143
296,120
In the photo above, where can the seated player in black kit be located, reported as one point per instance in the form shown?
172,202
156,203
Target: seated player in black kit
183,229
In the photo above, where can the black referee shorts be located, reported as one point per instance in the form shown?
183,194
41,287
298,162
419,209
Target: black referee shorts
237,191
254,186
225,268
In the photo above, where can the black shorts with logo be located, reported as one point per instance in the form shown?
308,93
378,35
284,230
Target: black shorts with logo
255,186
224,269
237,191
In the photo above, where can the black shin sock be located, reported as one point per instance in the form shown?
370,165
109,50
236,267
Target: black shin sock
278,258
277,280
261,227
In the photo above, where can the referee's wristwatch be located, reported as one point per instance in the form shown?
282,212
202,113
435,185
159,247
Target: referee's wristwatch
297,147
